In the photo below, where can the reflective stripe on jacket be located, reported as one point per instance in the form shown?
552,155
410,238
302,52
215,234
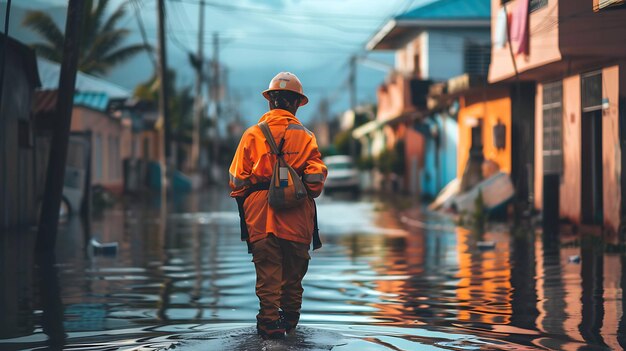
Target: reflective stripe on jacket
253,163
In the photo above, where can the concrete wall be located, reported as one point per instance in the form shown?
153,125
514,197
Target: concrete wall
441,53
446,51
543,43
110,145
571,180
20,186
405,57
489,106
539,148
585,33
611,150
394,98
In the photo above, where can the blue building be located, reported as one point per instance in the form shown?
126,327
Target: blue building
433,43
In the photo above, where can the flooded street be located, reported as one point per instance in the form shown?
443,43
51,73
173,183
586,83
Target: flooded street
182,279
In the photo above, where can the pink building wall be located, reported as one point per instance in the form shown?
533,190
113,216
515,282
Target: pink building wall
611,151
543,43
538,147
570,190
571,180
394,98
115,139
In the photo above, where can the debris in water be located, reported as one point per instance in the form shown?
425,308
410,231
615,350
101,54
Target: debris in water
104,248
486,245
574,259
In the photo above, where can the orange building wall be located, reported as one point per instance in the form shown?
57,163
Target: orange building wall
570,190
611,150
496,107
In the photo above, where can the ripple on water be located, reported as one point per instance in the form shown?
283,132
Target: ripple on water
373,286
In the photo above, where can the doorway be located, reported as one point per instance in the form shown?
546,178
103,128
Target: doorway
591,148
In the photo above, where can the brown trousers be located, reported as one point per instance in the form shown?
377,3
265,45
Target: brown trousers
280,266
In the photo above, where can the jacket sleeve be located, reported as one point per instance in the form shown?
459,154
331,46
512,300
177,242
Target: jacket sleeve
315,170
241,167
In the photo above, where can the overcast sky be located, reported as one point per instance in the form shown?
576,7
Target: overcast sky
312,38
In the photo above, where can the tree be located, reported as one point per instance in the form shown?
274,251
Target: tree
180,102
101,45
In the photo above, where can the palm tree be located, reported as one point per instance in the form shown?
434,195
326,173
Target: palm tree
101,46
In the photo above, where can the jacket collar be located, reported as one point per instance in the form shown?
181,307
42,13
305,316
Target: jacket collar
277,114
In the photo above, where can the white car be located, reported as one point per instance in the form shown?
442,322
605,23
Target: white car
342,174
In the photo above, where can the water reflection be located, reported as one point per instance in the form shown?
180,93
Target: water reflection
182,277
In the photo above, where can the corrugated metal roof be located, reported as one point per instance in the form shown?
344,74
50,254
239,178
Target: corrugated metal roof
49,74
93,100
450,9
45,101
448,14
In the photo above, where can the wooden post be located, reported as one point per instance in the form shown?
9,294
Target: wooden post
49,219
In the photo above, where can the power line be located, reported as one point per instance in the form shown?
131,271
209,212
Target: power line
323,20
266,35
295,15
288,49
144,37
174,38
334,96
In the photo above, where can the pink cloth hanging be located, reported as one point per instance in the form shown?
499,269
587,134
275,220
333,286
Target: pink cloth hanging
519,27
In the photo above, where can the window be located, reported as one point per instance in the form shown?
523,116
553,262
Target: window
534,4
537,4
552,128
591,91
477,58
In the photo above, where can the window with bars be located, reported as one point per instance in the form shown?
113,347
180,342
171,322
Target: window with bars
534,5
477,59
552,107
537,4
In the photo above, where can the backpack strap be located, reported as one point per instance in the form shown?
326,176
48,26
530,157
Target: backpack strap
265,128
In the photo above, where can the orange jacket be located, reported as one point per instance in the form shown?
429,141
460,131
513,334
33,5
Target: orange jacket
253,163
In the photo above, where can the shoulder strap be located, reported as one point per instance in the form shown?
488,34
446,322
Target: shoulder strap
265,128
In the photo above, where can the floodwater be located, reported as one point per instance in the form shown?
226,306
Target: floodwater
181,279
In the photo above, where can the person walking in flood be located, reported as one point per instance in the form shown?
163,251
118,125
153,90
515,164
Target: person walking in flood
278,238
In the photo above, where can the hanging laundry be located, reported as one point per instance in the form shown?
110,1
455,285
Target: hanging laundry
519,28
500,37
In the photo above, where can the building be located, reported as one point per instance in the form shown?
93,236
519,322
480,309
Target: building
21,176
493,122
433,43
574,50
119,129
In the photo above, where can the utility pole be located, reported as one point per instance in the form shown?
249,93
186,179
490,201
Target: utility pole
216,101
198,104
163,93
49,218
